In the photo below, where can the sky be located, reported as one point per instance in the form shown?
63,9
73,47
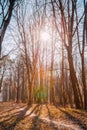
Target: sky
3,12
9,43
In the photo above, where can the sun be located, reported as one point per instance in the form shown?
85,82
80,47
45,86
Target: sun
45,36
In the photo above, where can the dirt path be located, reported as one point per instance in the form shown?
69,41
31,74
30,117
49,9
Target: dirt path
40,117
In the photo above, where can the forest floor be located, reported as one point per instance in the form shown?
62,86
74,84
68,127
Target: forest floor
15,116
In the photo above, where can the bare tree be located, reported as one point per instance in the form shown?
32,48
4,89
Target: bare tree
67,39
81,47
6,8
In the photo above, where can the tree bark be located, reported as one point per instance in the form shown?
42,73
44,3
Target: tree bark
6,22
75,85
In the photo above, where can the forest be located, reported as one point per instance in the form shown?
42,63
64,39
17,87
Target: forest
43,64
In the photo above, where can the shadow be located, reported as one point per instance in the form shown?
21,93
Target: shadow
49,113
10,110
79,113
16,117
36,125
38,110
51,124
74,119
5,125
32,111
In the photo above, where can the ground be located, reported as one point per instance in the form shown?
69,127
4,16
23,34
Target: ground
15,116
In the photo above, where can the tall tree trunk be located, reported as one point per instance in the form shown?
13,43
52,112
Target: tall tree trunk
75,85
84,83
51,71
18,85
82,56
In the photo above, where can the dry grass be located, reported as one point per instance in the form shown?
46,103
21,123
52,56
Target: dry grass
40,117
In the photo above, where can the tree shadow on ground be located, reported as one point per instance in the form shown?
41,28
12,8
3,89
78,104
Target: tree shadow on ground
10,110
51,124
8,125
36,125
80,113
49,112
74,119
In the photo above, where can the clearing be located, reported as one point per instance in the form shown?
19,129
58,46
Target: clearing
15,116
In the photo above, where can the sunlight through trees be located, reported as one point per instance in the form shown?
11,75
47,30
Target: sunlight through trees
48,59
